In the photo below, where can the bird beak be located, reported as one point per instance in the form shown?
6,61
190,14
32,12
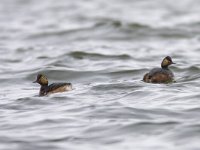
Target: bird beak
173,63
35,81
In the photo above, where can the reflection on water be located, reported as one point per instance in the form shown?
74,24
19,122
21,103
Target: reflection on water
103,48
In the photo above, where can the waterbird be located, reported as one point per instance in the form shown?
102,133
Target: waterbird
46,89
160,75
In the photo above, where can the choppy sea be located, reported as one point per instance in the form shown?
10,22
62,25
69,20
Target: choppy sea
103,47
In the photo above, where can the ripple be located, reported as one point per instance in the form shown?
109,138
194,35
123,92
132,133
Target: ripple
103,48
82,55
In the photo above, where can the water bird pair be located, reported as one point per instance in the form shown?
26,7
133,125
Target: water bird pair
156,75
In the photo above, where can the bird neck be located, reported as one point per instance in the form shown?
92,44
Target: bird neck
164,67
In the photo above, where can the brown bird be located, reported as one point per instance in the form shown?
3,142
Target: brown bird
52,88
160,75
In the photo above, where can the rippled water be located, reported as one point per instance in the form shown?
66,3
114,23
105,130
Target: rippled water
103,47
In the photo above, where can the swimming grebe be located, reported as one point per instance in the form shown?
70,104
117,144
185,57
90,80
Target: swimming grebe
160,75
52,88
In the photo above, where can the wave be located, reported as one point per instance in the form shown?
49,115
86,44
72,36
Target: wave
81,55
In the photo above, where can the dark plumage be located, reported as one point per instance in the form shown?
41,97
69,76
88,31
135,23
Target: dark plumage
160,75
52,88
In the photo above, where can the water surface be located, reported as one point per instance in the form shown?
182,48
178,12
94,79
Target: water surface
103,48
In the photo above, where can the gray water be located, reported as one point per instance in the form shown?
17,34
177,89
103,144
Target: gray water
103,47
